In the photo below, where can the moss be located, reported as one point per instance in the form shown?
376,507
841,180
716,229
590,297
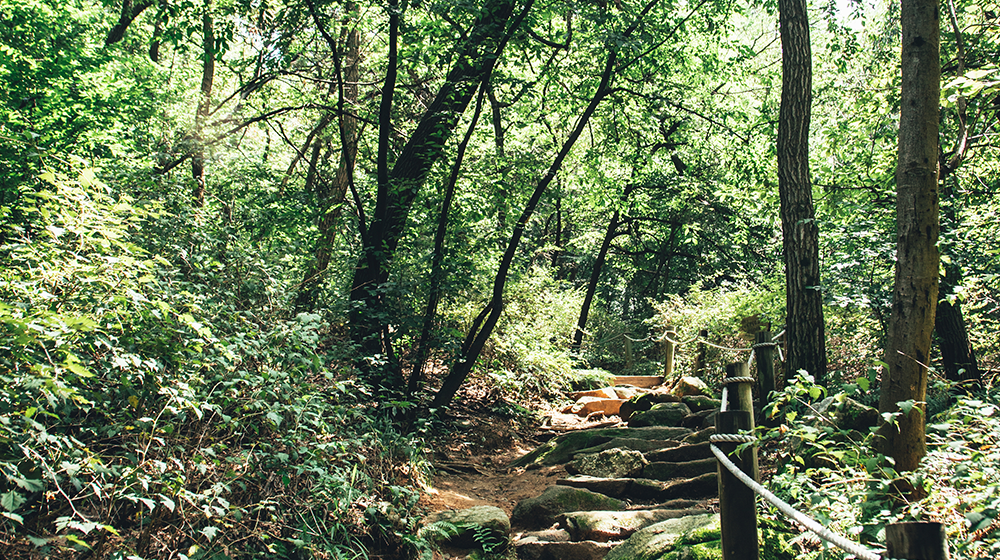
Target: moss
711,550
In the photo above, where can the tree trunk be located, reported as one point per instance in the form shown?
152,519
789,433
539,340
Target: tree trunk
595,276
204,104
331,195
916,283
800,240
398,189
483,325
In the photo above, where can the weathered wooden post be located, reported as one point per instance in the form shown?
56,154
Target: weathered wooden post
702,355
629,358
916,541
668,352
737,502
764,350
741,398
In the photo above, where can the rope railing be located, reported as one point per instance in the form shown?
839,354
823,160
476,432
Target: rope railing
841,542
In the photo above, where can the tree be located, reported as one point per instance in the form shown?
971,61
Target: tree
804,329
911,321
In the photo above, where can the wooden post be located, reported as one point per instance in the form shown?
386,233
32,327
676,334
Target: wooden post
629,359
765,366
668,352
916,541
741,398
701,356
737,502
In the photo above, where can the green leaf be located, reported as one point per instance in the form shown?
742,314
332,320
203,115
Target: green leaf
12,500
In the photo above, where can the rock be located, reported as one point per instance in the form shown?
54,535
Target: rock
686,469
711,550
680,453
662,414
560,449
657,540
690,386
541,511
849,414
644,489
631,443
646,401
626,392
605,393
701,436
591,405
531,549
440,527
548,535
612,463
698,403
699,420
604,526
613,487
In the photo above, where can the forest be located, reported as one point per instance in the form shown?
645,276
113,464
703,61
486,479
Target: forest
260,258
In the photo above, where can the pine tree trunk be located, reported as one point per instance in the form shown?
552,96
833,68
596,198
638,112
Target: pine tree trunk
805,332
911,322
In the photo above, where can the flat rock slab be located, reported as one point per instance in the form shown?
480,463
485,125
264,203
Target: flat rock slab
611,463
532,549
662,414
679,453
606,526
590,405
613,487
655,490
701,436
541,512
657,540
685,469
561,449
698,403
635,444
644,381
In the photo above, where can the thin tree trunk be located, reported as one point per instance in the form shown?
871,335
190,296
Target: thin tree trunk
398,189
204,104
482,327
595,276
800,233
916,284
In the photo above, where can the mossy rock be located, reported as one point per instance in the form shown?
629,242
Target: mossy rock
635,444
542,511
561,449
698,403
657,541
662,414
711,550
475,527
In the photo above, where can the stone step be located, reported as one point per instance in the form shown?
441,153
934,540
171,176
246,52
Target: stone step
663,470
644,381
531,548
680,453
608,526
646,490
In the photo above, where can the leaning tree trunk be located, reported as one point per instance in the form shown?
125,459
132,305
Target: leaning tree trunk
595,277
804,329
914,302
397,190
204,105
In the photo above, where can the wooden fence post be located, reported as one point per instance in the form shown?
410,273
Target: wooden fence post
737,502
741,398
701,355
916,541
629,357
764,350
668,352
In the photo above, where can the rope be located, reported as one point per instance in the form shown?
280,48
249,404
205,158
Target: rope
862,552
732,380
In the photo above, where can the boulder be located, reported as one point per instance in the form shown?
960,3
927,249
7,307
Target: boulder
548,535
848,414
680,453
662,414
646,401
701,402
627,392
701,436
604,526
658,540
605,393
690,386
686,469
612,463
561,449
631,443
459,528
534,549
592,405
541,511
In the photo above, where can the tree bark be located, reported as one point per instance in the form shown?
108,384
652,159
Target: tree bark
398,189
800,240
331,194
915,295
595,277
204,105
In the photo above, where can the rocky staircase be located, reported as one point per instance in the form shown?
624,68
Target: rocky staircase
632,490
